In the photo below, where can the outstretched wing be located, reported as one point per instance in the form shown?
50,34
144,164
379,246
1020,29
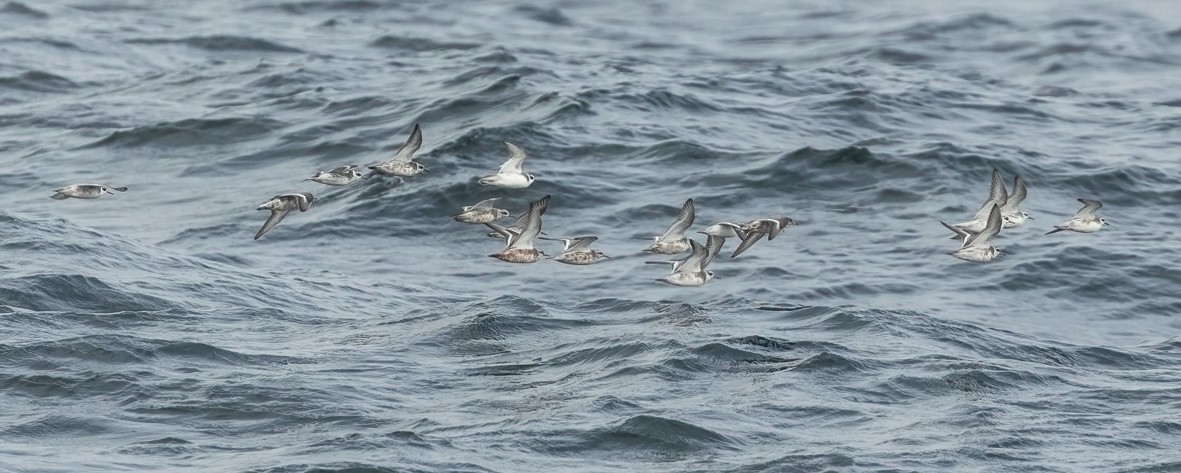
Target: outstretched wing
483,204
1016,197
1089,208
694,262
960,233
748,241
713,246
516,157
532,226
508,234
406,152
990,230
996,195
581,243
684,220
276,217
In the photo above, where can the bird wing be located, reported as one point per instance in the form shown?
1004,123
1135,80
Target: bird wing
684,220
960,233
276,217
406,152
713,246
694,262
996,195
748,241
516,157
508,234
532,226
1016,197
581,243
990,230
1089,208
483,204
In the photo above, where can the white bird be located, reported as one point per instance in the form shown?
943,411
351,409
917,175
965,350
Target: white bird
510,175
403,164
280,206
1085,221
84,191
1012,215
673,241
978,247
691,272
996,195
337,177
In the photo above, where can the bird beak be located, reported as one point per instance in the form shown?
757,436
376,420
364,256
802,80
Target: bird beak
109,192
426,170
604,256
1030,217
1105,222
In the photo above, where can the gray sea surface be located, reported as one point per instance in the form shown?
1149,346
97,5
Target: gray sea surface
147,331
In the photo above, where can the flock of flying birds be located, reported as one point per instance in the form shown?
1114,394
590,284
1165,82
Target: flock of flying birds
1001,210
975,235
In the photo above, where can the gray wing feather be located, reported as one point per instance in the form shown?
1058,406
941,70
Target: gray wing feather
483,204
990,230
683,222
516,158
532,226
276,217
1089,208
581,243
1016,197
713,246
695,261
749,241
406,152
960,233
996,195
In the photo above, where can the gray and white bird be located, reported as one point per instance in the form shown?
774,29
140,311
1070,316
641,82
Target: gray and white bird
1085,221
753,231
84,191
577,250
337,177
978,247
692,271
510,175
403,163
996,195
281,205
519,245
673,241
1012,215
481,212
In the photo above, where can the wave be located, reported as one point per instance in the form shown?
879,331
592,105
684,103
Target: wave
220,43
192,132
38,81
18,8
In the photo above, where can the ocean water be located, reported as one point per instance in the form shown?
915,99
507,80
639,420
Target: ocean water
147,331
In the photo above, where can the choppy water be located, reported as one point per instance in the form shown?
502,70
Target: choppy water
147,331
